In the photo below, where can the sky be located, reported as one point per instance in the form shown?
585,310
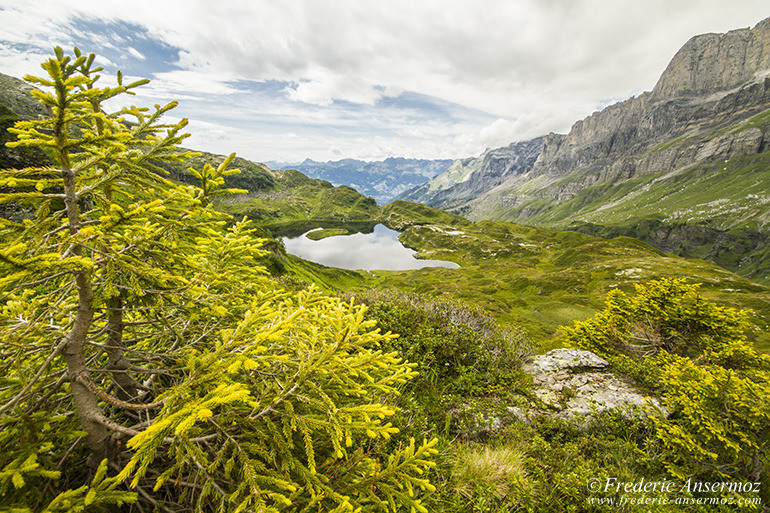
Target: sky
285,80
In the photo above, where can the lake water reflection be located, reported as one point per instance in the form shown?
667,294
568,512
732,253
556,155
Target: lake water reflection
377,250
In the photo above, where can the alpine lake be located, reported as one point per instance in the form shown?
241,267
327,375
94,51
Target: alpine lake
378,250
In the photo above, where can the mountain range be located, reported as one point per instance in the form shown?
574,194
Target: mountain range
382,180
684,167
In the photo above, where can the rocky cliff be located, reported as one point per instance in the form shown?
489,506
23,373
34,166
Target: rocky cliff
713,82
712,63
468,178
707,118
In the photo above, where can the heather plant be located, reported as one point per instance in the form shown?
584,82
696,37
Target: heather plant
458,349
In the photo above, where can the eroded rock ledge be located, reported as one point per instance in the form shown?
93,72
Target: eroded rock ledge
569,384
574,384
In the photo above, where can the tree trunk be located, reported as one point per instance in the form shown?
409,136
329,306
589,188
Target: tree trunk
757,467
126,386
98,438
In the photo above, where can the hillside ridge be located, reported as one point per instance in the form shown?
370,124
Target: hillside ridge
708,113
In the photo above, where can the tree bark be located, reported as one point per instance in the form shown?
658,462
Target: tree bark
126,386
757,468
98,437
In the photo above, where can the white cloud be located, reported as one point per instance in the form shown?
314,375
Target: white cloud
533,65
135,53
183,82
325,91
499,133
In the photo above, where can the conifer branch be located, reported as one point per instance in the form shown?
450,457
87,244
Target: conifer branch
90,385
18,397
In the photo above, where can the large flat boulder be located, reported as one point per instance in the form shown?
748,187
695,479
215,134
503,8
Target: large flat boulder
574,384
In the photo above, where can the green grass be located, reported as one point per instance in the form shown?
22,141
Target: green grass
326,232
297,204
728,196
538,279
401,214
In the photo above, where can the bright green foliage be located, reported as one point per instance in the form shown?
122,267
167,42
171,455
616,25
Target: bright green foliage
721,423
715,385
145,352
666,314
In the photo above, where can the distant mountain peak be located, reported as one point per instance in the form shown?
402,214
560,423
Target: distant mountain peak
382,180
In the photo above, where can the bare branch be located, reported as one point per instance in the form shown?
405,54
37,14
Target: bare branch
90,385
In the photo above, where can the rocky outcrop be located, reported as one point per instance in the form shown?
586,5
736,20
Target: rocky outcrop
711,63
568,384
714,81
630,131
713,78
574,385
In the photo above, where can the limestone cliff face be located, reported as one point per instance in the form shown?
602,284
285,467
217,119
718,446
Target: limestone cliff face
595,138
468,178
711,63
498,165
715,80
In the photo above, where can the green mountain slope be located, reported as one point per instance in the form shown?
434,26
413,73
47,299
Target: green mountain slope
677,166
718,211
534,278
297,203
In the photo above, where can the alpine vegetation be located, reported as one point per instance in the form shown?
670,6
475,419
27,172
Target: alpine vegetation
148,361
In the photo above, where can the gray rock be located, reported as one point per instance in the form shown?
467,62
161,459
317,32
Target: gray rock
574,385
747,142
560,360
715,62
468,178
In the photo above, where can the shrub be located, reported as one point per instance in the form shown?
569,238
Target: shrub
694,353
459,350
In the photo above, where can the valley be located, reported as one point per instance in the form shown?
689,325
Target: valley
536,279
597,304
687,157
